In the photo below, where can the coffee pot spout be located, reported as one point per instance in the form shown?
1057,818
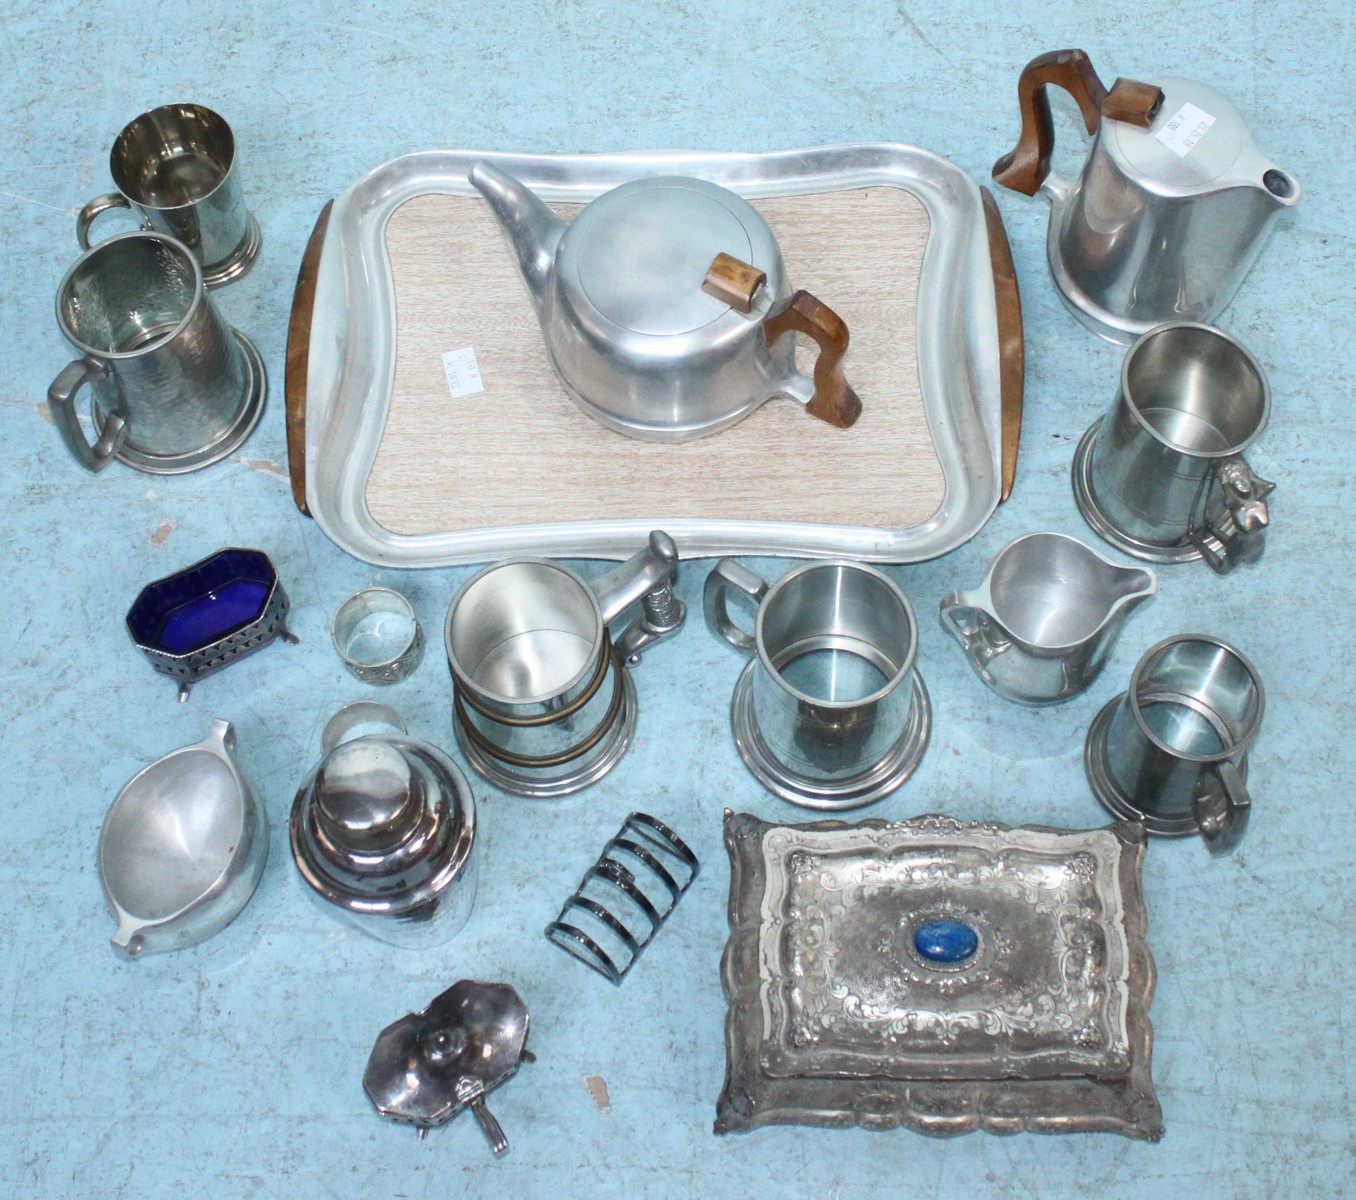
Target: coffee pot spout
532,229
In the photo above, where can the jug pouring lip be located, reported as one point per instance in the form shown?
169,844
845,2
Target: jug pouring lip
1139,583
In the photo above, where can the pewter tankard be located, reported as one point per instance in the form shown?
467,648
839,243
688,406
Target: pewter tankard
174,168
830,712
1171,208
1171,751
1162,476
543,704
173,387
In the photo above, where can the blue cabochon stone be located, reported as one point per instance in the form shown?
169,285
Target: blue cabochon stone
945,941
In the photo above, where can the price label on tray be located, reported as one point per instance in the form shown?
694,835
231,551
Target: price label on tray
462,371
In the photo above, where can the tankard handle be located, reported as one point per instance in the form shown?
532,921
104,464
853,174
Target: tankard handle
1236,534
100,204
1025,167
730,580
833,401
645,578
61,402
1221,808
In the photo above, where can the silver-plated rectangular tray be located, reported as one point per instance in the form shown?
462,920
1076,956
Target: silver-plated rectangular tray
836,1018
340,379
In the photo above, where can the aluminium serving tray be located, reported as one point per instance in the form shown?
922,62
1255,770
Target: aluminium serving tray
398,474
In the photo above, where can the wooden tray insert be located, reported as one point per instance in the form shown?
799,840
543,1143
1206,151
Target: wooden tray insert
521,453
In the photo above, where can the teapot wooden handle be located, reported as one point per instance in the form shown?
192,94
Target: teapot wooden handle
833,400
1025,167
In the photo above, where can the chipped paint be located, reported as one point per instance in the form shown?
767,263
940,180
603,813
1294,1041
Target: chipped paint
597,1088
265,466
44,411
162,532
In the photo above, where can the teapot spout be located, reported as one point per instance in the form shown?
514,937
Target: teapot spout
532,229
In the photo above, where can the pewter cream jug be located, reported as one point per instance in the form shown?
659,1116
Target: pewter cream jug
665,307
1039,629
1171,208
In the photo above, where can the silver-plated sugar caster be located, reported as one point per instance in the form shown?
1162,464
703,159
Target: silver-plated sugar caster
383,831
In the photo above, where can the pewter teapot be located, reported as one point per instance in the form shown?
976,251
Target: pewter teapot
665,307
1171,208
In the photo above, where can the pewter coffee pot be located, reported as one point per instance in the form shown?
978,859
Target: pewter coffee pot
665,307
1172,206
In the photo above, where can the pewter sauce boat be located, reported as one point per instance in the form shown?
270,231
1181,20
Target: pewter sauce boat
183,847
665,307
1039,629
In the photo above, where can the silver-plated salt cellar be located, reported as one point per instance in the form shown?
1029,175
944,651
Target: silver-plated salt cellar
196,621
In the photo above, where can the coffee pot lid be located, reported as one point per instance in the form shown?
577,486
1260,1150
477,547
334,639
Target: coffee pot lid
1194,139
641,252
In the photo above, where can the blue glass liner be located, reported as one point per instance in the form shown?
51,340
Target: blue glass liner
204,603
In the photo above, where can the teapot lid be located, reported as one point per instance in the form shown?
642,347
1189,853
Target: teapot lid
1194,139
640,252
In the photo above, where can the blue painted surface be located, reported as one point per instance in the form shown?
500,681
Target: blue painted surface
235,1069
945,941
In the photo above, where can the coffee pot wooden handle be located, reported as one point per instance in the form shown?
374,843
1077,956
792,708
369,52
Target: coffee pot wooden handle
1025,167
833,400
